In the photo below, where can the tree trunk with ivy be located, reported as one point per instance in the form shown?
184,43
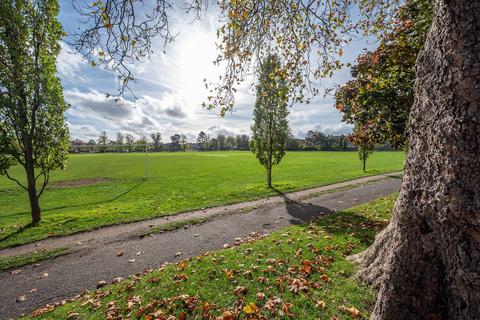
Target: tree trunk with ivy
426,263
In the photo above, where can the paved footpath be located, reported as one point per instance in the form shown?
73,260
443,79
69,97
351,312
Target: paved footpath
94,254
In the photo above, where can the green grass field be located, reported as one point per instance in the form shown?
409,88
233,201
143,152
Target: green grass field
177,182
299,272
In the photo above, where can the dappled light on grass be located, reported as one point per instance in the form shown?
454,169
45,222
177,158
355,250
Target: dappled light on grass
299,273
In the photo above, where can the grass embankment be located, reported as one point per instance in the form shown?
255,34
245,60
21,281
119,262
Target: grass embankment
21,260
299,272
177,182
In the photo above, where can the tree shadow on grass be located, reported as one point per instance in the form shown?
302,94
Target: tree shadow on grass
17,231
78,205
351,224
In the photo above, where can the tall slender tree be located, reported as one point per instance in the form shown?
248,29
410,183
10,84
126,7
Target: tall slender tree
270,125
33,131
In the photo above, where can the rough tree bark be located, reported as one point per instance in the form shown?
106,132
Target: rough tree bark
426,263
32,185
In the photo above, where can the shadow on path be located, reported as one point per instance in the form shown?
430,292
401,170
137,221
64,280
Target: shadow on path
302,212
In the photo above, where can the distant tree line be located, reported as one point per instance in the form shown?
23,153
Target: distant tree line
178,142
314,141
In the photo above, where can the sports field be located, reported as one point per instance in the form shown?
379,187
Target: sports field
101,189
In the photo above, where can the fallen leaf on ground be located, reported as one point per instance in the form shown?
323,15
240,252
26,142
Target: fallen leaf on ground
181,265
240,290
250,308
320,304
119,253
15,272
260,296
229,274
325,278
354,312
117,280
73,315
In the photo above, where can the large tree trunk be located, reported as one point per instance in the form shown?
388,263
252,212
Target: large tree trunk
426,263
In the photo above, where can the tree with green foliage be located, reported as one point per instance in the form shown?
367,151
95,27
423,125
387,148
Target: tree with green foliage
342,143
203,140
102,141
129,140
242,142
183,142
381,93
221,139
120,140
175,144
364,142
270,126
230,143
33,131
157,140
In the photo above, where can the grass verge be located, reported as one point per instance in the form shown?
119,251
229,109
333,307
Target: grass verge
299,272
21,260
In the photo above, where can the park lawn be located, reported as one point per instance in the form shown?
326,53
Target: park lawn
177,182
299,272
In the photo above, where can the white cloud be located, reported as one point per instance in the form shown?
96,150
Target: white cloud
68,63
83,130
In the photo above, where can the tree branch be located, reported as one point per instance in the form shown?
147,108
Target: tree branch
5,172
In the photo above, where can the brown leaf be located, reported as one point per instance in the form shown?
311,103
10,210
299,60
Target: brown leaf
354,312
325,278
298,254
260,295
15,272
286,309
240,290
181,265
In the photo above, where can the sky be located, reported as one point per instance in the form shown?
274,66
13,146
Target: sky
170,89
